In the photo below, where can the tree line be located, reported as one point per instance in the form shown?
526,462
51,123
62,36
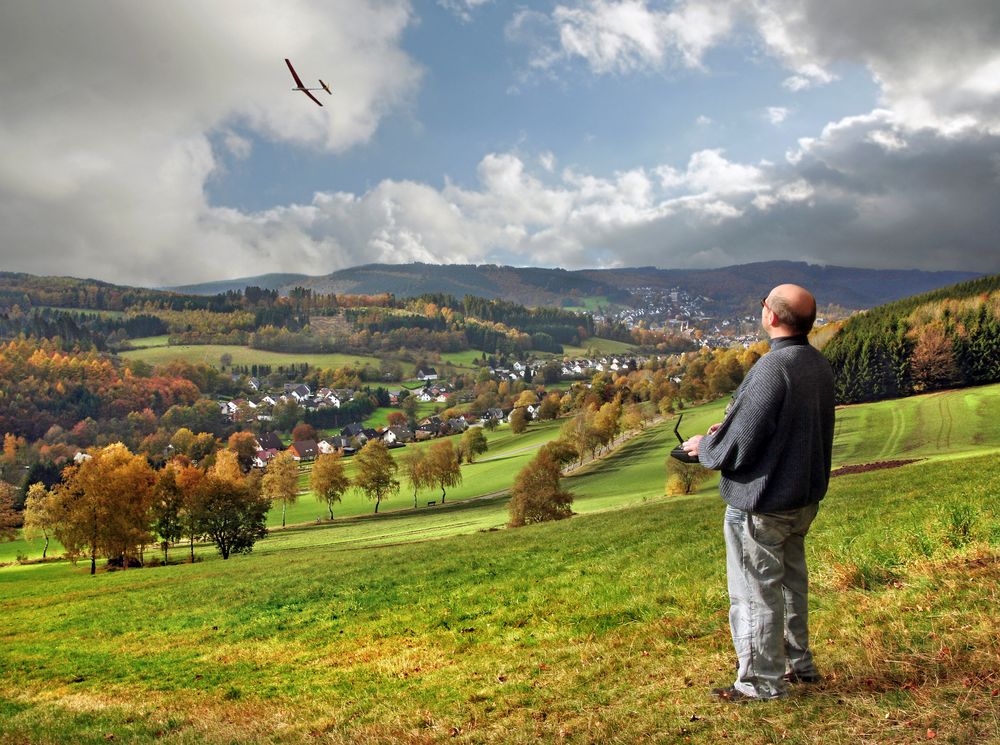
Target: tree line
942,339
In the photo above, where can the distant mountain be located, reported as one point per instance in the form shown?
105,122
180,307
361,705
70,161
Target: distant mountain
730,289
264,281
734,287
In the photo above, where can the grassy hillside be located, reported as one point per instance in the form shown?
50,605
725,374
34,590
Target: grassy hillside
155,354
605,628
610,627
942,425
604,346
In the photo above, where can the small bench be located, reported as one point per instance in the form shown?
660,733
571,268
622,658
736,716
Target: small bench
431,504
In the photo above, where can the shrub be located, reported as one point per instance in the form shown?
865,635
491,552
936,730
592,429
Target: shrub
684,478
959,522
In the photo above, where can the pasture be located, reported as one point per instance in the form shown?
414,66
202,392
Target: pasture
608,627
156,354
603,346
434,624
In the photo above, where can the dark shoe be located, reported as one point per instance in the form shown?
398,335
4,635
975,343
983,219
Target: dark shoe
731,696
794,677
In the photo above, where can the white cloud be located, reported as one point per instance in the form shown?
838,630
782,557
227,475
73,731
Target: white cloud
777,114
111,131
936,63
703,121
623,35
238,146
917,178
464,9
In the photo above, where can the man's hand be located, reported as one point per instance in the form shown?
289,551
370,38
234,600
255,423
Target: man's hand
691,445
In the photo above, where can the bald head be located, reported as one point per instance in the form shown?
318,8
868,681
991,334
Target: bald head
794,309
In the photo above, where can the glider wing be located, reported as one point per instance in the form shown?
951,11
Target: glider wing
295,75
311,96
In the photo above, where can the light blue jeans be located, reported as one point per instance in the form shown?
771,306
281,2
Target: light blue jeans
768,597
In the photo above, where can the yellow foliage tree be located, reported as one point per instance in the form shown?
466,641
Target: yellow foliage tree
328,480
102,506
281,481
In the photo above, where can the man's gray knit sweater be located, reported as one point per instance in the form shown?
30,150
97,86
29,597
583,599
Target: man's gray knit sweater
775,444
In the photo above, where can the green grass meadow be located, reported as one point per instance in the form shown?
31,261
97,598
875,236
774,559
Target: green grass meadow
150,350
604,346
435,625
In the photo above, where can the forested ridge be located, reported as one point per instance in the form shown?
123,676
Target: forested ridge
945,338
87,314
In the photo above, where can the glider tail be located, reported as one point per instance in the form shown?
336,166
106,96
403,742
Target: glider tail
326,87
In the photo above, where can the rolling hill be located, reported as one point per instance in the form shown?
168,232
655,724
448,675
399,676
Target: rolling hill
609,627
728,288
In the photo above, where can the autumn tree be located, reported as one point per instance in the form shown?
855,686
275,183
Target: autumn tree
10,461
182,441
632,418
526,398
203,445
167,508
328,480
281,481
684,478
103,506
474,443
518,420
244,445
607,423
10,520
445,470
303,431
932,363
415,468
227,466
231,513
536,495
39,514
188,477
549,407
376,472
409,407
397,419
580,431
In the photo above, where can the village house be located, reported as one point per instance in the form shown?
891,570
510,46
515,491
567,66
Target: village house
496,414
300,392
397,434
354,429
269,441
262,457
334,444
303,450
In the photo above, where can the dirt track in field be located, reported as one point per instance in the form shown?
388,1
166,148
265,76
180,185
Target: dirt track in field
876,466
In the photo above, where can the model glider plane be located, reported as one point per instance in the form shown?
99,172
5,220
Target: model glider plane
300,87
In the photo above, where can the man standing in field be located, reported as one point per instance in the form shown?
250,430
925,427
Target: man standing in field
774,449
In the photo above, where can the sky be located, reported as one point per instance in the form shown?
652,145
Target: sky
162,143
